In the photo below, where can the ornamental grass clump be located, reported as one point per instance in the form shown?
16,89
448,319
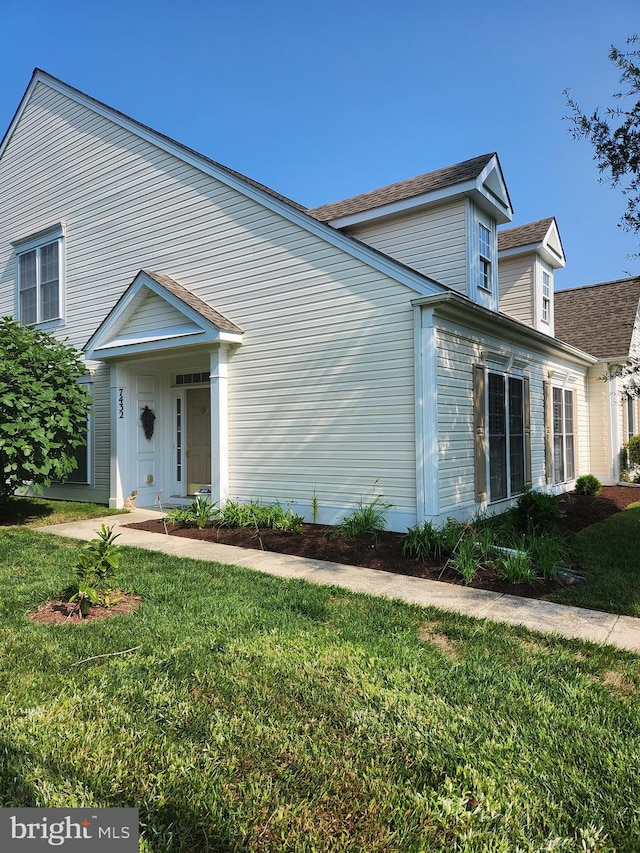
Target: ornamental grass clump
365,517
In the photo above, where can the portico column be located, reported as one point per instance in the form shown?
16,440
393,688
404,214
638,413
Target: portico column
218,371
119,449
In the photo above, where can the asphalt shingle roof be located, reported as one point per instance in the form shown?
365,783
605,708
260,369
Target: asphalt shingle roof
184,295
441,178
524,235
598,318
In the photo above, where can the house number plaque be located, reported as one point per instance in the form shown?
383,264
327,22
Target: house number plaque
120,403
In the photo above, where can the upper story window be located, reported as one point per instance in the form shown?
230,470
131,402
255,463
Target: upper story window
484,244
40,274
546,296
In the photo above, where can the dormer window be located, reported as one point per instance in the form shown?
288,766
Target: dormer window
484,243
546,297
40,274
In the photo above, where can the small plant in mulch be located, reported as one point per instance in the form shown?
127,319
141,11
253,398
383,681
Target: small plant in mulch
96,564
588,484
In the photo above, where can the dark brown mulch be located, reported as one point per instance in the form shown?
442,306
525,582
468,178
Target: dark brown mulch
579,512
58,612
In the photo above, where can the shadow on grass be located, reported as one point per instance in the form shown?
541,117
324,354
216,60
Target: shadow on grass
16,511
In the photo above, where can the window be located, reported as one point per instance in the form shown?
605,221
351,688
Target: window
563,435
631,420
546,296
484,243
40,275
506,436
81,454
502,460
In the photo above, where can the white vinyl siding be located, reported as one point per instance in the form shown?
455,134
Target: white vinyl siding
458,349
431,241
321,393
515,277
153,313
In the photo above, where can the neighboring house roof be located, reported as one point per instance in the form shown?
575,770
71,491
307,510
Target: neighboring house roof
429,182
599,318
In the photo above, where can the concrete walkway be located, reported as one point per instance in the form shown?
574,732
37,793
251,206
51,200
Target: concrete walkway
576,622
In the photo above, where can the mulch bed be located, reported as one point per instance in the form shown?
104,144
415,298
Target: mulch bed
63,612
579,512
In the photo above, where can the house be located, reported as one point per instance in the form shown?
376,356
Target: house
287,353
605,320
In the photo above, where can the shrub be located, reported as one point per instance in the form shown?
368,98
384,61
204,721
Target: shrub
535,512
260,516
44,407
198,514
633,450
587,484
96,562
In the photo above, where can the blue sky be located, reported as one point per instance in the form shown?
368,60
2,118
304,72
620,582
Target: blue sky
324,100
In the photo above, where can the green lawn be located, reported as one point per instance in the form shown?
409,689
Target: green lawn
609,552
262,714
39,511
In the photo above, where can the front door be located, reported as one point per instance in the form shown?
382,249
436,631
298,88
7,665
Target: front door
198,439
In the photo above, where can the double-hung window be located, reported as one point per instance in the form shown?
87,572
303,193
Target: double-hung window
484,250
546,296
40,273
563,435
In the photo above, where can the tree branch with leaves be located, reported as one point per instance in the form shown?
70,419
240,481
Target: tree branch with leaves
615,133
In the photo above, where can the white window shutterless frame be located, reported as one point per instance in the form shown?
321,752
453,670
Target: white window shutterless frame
40,277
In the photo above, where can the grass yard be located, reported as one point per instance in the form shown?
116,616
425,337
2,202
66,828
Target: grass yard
609,552
35,512
256,714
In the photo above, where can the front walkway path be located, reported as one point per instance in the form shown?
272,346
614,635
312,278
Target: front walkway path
576,622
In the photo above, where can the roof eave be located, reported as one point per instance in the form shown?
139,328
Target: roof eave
450,304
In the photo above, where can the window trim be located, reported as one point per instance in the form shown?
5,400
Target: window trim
485,259
554,476
36,242
546,297
482,432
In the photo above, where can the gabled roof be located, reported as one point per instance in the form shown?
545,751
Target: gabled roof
599,318
156,313
467,172
542,236
252,189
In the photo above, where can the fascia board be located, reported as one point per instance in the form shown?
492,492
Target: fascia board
547,254
452,305
396,207
325,232
146,347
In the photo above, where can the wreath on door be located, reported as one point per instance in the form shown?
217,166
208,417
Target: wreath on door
147,418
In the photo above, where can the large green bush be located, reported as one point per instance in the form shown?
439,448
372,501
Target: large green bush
43,408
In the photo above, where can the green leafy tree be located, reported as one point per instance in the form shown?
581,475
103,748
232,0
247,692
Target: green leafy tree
615,133
43,408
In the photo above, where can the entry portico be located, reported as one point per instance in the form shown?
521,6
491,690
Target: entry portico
168,354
